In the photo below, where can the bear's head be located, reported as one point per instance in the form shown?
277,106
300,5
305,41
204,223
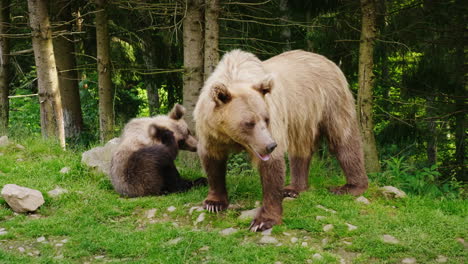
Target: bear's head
242,115
175,124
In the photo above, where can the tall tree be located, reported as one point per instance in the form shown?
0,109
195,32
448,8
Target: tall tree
366,84
4,65
64,51
285,31
106,90
47,78
193,56
212,10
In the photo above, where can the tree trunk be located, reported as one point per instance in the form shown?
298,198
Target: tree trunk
193,56
66,66
150,55
49,93
366,84
106,91
460,93
309,30
431,148
212,10
4,66
286,31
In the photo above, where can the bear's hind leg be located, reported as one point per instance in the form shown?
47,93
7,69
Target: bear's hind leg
349,154
217,199
299,176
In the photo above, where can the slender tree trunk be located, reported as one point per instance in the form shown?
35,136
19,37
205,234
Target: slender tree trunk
49,93
193,56
286,31
310,43
366,84
66,66
106,90
150,54
431,148
212,10
461,123
4,66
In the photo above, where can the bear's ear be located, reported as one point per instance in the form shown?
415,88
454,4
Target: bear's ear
177,112
158,132
220,94
265,86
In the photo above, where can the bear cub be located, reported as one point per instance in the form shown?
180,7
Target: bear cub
144,161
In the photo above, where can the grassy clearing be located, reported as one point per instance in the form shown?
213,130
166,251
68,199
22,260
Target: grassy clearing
91,223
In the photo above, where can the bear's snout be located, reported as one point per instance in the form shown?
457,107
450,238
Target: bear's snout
271,147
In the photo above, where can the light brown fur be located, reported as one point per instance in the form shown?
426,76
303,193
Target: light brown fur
291,99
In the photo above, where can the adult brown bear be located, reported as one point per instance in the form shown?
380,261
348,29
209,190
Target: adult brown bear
268,108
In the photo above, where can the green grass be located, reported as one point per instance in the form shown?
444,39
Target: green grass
99,226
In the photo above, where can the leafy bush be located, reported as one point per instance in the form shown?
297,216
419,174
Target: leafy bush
421,181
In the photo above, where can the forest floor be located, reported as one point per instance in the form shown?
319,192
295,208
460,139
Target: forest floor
92,224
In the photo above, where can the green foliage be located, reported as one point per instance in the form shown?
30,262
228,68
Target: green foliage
421,181
24,114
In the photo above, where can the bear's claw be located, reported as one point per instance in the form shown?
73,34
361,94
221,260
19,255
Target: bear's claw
348,189
214,206
255,226
290,193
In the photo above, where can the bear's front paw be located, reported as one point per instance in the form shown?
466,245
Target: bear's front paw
262,223
215,206
290,192
348,189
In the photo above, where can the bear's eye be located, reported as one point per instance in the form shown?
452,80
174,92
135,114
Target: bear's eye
249,124
267,121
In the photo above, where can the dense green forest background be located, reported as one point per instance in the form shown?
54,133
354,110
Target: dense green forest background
419,93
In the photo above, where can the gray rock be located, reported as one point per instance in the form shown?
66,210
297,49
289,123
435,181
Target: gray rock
351,227
171,208
57,192
65,170
150,213
317,256
249,214
100,157
204,248
4,141
268,240
390,239
294,240
228,231
196,209
174,241
408,261
21,249
319,217
59,245
19,146
392,192
267,232
200,218
326,209
328,228
441,259
304,244
41,239
362,199
22,199
3,231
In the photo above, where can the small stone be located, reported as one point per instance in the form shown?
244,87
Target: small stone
58,257
328,228
326,209
294,240
57,192
204,248
462,241
257,204
150,213
317,256
21,249
171,208
195,208
64,240
228,231
4,141
19,146
279,244
99,257
59,245
324,241
319,217
362,199
409,260
40,239
100,157
19,160
351,227
267,232
441,259
392,192
347,243
249,214
65,170
22,199
289,199
200,218
286,234
3,231
175,224
304,244
268,240
278,262
1,154
174,241
390,239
